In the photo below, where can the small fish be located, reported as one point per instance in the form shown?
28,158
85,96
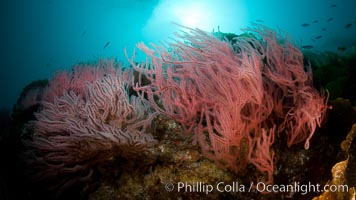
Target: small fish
348,25
341,48
84,32
315,21
330,19
333,5
259,20
48,65
307,46
107,44
318,37
305,25
323,29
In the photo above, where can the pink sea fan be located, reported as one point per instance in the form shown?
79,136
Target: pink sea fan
235,96
75,79
75,133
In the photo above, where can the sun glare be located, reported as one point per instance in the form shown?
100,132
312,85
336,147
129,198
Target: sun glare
229,15
190,16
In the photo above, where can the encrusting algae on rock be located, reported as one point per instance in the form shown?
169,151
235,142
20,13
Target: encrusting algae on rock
343,173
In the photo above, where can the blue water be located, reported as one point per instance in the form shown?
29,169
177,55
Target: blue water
39,37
